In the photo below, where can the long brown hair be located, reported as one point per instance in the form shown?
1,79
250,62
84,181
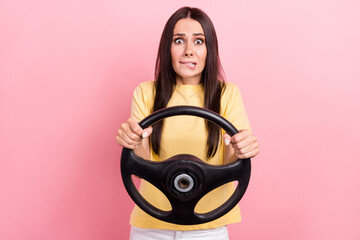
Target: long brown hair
211,77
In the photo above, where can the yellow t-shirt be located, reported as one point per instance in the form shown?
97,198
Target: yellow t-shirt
187,135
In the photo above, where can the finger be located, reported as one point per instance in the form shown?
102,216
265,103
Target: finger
135,127
136,140
247,149
241,135
125,144
249,154
146,132
129,131
227,139
244,143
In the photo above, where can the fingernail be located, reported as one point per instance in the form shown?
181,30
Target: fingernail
227,141
145,134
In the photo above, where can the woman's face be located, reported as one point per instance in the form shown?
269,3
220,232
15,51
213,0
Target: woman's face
188,51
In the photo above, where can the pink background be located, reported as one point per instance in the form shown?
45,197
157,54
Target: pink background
67,73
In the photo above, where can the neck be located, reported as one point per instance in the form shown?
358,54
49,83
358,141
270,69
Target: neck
187,81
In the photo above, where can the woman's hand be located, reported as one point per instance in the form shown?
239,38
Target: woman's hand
130,134
244,144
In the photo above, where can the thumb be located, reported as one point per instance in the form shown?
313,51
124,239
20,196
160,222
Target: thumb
227,139
146,132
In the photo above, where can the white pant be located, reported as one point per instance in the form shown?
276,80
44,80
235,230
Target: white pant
220,233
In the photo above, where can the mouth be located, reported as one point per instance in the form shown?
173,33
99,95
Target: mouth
189,64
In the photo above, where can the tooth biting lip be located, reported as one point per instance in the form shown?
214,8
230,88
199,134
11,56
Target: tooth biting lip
190,64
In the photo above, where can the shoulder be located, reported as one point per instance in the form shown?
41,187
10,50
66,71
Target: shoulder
230,90
145,89
230,98
142,100
146,86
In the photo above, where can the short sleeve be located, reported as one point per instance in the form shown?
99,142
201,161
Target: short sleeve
232,107
142,101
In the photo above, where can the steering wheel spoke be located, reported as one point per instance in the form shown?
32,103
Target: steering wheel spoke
220,175
132,164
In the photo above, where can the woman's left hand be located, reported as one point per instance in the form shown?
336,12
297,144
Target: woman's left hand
244,143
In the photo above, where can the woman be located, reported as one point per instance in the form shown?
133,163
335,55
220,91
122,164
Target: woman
188,72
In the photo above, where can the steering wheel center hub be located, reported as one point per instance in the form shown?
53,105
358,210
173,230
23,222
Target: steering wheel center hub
183,177
183,183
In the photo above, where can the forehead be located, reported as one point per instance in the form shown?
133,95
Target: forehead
188,25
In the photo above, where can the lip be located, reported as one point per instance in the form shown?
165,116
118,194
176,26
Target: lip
188,64
185,62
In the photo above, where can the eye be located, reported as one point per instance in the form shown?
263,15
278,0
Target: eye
199,41
178,41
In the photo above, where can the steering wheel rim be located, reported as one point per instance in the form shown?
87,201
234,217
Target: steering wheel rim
161,175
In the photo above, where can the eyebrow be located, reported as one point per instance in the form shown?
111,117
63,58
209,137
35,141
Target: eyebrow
183,34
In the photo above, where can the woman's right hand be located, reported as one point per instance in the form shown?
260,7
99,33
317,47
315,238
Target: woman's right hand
130,134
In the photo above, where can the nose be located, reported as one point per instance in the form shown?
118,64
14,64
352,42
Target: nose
188,50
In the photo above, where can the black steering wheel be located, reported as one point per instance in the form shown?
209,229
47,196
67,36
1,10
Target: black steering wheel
184,179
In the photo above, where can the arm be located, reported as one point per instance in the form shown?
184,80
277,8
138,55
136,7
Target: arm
130,134
243,144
